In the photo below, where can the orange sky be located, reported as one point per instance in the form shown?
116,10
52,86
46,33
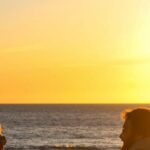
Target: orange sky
74,51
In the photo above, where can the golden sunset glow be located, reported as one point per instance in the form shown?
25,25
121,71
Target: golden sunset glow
74,51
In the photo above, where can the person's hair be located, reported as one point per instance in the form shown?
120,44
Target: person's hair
140,120
140,124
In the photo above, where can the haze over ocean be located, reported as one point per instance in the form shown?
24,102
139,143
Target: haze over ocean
47,127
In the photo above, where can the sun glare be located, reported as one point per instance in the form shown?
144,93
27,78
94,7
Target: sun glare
142,35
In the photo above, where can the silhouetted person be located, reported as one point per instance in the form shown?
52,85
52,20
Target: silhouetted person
136,129
2,138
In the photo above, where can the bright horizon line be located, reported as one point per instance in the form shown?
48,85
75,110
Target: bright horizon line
75,103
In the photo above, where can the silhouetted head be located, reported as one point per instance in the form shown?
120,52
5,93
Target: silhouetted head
136,126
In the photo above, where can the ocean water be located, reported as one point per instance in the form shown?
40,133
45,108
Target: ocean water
50,127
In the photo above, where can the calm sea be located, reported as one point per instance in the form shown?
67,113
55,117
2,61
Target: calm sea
50,127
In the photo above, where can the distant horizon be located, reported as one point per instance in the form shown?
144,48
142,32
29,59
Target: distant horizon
74,103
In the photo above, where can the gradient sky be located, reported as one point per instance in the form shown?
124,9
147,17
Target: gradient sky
74,51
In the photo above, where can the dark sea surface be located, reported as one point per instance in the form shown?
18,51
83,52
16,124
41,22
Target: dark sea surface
50,127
